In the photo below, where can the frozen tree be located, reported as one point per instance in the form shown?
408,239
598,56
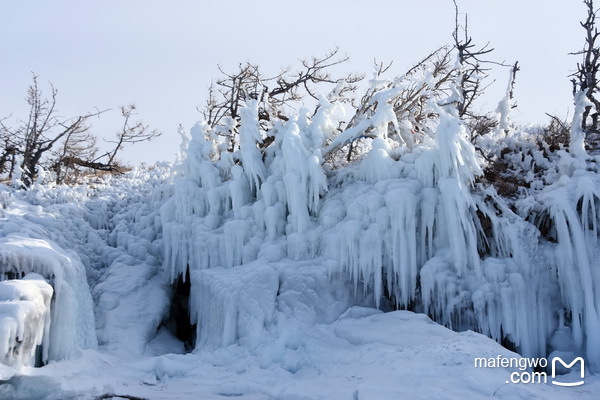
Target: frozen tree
507,103
396,109
585,80
470,83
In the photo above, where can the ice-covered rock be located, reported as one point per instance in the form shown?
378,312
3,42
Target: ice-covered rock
73,326
24,320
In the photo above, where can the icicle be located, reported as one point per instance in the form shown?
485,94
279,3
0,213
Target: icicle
233,305
303,178
239,189
577,142
249,138
402,206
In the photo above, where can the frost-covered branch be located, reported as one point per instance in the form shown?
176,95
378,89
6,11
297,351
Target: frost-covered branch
277,95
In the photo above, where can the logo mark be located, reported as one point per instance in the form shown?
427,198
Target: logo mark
575,361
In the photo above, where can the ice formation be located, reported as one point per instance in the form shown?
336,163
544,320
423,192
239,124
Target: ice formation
409,222
234,304
72,324
24,320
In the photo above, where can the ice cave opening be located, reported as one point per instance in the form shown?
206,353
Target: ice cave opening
178,322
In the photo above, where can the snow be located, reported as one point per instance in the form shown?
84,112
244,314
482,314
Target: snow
354,356
130,287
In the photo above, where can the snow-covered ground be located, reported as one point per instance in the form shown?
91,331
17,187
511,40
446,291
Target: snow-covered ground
365,354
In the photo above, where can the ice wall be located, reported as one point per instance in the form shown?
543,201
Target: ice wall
572,206
231,305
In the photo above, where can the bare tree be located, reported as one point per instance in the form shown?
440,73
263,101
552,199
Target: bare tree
472,74
77,145
585,79
8,150
130,133
43,131
64,145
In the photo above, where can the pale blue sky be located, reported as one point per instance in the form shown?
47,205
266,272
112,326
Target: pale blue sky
163,54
